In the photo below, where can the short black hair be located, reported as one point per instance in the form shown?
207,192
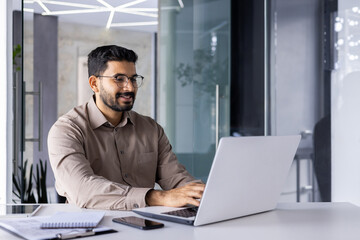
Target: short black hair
98,58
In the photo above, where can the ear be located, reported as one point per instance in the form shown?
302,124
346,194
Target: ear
93,83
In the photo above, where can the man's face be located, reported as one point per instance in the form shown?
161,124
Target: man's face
114,97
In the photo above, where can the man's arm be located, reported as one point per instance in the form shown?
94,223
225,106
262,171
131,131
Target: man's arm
180,188
75,178
176,197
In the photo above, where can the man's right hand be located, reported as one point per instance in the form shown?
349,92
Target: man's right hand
177,197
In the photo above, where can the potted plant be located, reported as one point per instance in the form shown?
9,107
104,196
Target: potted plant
23,183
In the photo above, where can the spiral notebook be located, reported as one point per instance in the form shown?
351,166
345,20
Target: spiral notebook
74,220
29,228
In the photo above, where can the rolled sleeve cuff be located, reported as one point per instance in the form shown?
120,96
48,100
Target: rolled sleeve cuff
136,198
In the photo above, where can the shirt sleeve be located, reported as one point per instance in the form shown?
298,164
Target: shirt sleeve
170,173
75,178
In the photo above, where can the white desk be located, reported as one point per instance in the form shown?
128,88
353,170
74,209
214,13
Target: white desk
290,221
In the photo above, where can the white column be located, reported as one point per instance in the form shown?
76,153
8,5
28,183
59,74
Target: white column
167,93
5,100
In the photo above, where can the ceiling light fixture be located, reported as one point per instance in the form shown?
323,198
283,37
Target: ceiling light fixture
132,24
177,8
181,3
28,10
69,4
110,19
142,9
56,13
138,13
112,12
81,8
130,3
42,5
105,4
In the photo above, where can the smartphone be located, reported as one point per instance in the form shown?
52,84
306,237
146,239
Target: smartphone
137,222
18,210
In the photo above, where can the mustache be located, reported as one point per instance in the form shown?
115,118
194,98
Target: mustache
125,94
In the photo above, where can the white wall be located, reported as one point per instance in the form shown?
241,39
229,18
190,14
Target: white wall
5,100
345,106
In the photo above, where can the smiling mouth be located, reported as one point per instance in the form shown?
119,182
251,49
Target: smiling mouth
127,96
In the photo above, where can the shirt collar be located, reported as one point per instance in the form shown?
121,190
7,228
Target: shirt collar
126,118
97,119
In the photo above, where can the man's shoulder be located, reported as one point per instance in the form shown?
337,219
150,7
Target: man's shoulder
138,118
75,118
77,114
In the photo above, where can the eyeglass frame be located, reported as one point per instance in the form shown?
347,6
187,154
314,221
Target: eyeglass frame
127,79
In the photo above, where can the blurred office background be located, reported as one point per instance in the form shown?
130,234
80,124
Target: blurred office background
212,68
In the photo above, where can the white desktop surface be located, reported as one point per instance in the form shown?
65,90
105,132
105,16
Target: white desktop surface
290,221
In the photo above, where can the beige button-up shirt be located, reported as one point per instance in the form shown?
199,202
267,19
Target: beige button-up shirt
97,165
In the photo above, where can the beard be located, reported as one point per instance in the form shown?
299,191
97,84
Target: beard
113,103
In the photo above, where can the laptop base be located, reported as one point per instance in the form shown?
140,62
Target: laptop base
165,217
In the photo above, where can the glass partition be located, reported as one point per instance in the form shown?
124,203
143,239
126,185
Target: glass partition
296,87
53,78
194,79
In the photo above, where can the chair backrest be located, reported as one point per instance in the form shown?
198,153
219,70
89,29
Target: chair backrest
322,157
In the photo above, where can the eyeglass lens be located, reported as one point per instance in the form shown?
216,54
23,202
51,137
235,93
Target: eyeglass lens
122,81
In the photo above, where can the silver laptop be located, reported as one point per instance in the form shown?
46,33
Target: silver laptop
246,177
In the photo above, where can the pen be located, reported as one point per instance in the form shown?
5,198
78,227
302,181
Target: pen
88,232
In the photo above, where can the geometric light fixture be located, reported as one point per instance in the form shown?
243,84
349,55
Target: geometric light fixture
104,6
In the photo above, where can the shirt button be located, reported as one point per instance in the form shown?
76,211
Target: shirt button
125,175
136,205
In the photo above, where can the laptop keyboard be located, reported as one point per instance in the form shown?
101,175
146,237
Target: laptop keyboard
186,212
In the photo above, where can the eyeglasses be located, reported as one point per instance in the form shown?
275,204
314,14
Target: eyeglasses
122,80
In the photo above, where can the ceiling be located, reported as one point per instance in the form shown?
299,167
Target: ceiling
138,15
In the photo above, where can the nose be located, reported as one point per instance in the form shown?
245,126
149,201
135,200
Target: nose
129,86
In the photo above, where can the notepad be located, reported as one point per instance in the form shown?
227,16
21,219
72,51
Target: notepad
29,228
74,220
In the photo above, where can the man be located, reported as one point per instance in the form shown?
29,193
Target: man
106,156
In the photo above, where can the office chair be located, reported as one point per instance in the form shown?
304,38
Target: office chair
322,157
60,199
